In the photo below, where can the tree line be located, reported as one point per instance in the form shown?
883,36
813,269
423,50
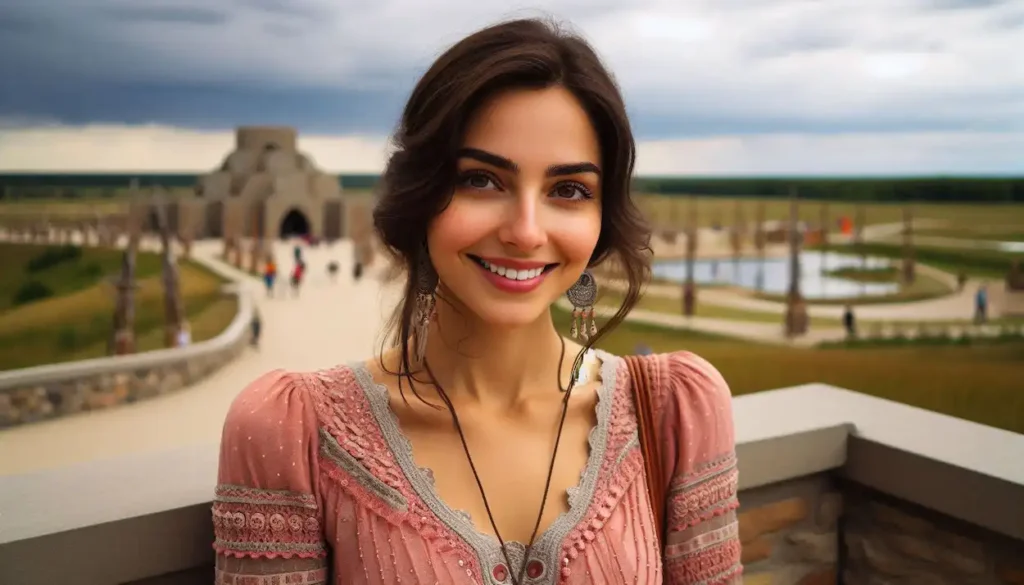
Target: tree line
924,189
936,190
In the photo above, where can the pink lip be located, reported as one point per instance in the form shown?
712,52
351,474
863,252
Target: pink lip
513,286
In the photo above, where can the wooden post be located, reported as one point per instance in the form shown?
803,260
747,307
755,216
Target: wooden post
236,252
858,234
796,308
689,287
174,312
908,246
824,234
123,340
760,241
736,236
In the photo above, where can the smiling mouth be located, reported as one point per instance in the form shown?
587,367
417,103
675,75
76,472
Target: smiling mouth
513,273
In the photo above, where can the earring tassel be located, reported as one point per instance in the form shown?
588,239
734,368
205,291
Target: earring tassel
593,324
574,333
424,313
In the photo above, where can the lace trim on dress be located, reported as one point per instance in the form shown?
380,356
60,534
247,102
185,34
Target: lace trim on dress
487,550
266,523
330,449
705,493
346,414
303,577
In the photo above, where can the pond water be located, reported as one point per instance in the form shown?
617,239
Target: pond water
773,278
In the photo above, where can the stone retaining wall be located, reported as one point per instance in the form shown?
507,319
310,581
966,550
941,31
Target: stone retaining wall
889,541
790,532
820,531
39,393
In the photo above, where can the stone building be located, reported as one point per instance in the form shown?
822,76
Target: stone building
265,188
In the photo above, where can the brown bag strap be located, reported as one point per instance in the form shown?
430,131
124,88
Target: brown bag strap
650,446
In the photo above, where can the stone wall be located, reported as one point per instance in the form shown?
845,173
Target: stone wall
817,530
38,401
889,541
790,532
45,392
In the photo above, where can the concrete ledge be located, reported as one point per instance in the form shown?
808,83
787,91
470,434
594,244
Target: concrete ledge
55,390
144,516
917,455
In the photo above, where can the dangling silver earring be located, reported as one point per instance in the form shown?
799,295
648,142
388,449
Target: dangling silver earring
583,295
426,285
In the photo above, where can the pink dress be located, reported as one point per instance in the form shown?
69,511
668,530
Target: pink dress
318,485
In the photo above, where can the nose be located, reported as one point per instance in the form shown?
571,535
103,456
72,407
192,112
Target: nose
522,227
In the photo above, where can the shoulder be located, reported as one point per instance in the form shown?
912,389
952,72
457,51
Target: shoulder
282,402
683,378
693,401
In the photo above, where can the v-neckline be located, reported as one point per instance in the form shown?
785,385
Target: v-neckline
547,546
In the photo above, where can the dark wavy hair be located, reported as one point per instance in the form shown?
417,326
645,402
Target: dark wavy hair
420,176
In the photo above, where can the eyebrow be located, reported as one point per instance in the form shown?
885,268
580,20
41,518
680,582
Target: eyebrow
501,162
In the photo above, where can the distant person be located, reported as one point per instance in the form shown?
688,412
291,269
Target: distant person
269,276
961,281
849,321
297,273
643,349
332,270
981,305
255,326
184,336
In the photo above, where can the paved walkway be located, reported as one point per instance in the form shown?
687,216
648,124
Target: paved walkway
329,324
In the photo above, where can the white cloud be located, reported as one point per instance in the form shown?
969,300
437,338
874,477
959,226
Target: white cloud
111,148
165,149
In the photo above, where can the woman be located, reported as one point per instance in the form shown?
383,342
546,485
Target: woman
269,275
485,447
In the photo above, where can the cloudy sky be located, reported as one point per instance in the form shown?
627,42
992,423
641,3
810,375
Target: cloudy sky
714,87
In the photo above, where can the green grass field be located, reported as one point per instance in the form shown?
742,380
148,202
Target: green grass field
996,232
77,321
970,261
883,274
981,383
673,211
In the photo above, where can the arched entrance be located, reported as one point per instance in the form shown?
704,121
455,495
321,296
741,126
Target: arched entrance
294,224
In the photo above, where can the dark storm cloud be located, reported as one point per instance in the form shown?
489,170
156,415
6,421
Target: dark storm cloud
300,63
211,107
164,14
15,19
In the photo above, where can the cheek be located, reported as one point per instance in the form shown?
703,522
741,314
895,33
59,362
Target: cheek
458,227
576,236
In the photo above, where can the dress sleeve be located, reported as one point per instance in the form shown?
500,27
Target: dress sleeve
702,542
267,512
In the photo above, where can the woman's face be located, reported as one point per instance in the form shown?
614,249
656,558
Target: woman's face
526,212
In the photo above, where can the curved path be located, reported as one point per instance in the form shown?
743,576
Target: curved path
329,323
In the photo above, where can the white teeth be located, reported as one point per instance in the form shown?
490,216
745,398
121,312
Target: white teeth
512,273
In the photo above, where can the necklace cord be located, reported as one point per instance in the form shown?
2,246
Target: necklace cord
551,465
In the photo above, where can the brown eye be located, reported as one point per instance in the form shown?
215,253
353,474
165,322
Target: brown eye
478,181
572,191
